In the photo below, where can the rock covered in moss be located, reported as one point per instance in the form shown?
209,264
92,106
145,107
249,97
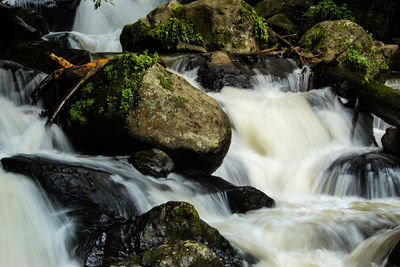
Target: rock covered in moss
180,253
348,44
281,24
230,25
172,222
132,104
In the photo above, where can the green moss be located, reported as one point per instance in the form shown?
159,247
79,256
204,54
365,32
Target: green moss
313,39
113,90
173,30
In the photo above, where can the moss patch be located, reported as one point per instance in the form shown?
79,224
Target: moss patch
260,27
174,30
112,91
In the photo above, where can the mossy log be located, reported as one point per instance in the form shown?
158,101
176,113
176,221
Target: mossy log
374,96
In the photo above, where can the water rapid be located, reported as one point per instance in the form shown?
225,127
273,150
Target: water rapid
336,194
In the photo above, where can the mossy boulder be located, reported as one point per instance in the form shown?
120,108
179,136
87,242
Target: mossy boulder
346,43
164,228
230,25
282,24
133,103
180,253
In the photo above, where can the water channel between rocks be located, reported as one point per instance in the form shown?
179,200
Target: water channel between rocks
292,144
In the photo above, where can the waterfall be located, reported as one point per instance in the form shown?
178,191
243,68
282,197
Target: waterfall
98,30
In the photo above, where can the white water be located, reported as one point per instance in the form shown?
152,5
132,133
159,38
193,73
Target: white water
284,143
33,233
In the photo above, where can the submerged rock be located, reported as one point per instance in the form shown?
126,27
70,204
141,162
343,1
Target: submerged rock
158,231
136,104
241,199
152,162
367,175
213,25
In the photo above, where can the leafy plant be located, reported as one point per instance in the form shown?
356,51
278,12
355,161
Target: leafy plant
97,3
328,10
249,15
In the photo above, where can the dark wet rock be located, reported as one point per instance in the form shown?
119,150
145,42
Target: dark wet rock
164,112
368,175
169,222
19,25
65,39
282,24
391,141
240,198
152,162
177,253
82,190
34,54
394,257
59,14
229,25
219,69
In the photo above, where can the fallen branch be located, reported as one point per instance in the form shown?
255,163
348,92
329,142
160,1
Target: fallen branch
71,92
292,47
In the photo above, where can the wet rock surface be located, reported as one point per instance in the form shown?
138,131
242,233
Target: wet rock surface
391,141
170,222
240,198
166,113
214,25
152,162
84,191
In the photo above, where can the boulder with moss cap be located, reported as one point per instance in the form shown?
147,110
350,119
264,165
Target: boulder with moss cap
133,103
230,25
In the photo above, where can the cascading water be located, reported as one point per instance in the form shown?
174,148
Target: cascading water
295,145
33,233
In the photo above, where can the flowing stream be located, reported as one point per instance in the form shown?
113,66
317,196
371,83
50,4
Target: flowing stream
336,195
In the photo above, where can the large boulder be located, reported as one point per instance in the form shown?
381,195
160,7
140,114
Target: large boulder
59,14
201,25
19,25
347,43
85,192
138,105
167,224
